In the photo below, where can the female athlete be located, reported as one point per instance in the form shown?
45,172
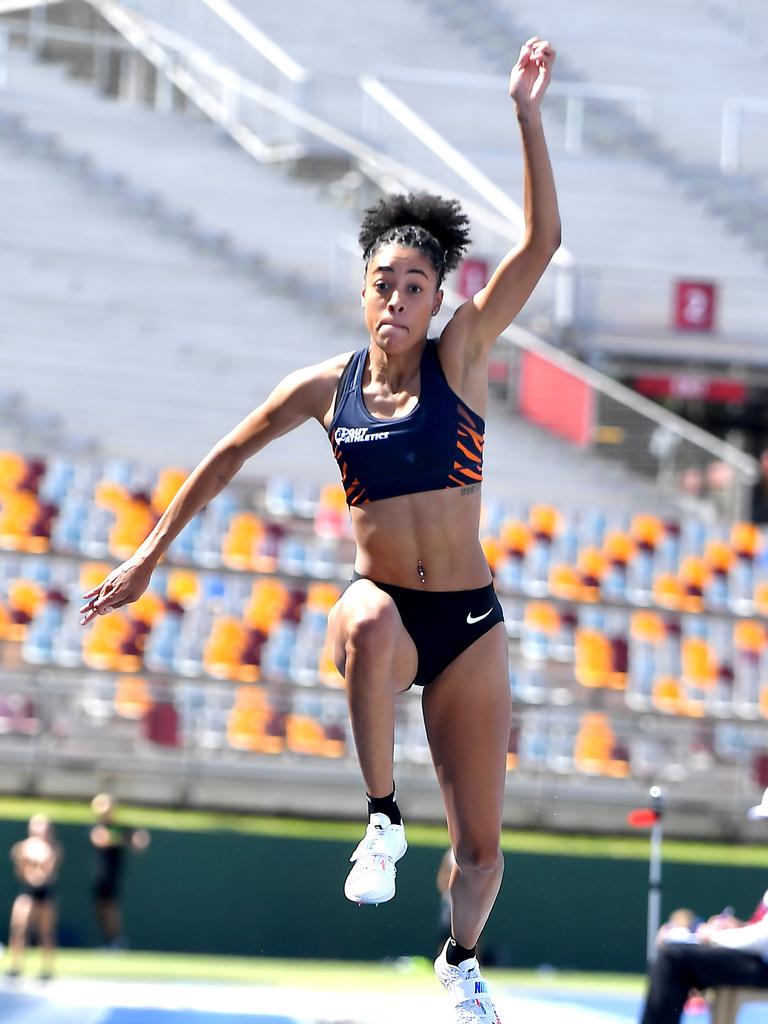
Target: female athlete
405,420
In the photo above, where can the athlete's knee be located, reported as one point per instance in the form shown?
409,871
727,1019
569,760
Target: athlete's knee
368,630
479,858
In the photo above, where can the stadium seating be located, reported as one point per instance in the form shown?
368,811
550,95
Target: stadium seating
610,619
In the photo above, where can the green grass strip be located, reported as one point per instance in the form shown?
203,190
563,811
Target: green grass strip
406,974
613,847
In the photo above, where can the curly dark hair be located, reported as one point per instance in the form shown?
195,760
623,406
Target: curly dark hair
437,227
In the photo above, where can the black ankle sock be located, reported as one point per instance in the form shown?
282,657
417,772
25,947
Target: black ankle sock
385,805
456,954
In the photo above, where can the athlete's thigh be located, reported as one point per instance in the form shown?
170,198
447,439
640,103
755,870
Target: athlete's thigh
467,714
21,911
364,602
47,919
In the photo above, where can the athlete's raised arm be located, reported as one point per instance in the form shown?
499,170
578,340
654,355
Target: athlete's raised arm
302,395
483,318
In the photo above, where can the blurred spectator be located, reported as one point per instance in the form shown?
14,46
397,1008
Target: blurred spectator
725,951
721,482
36,861
760,491
680,926
110,842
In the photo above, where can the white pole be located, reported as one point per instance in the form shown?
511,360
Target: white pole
654,875
730,137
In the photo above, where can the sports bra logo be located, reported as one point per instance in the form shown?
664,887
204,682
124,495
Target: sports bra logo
350,435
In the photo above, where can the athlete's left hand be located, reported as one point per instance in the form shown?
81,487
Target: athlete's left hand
530,76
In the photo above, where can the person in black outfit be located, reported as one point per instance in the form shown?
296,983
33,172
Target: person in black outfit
36,861
726,952
111,841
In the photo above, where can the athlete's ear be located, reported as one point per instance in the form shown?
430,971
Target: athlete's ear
438,302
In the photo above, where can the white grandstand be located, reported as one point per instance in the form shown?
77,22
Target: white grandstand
160,270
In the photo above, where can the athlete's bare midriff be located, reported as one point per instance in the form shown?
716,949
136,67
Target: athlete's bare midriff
437,528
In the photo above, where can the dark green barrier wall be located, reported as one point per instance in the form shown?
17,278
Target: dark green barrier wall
230,893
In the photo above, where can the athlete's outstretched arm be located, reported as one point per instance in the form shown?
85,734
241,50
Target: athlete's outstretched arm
483,318
302,395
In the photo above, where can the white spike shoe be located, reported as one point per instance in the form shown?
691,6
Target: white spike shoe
471,998
372,879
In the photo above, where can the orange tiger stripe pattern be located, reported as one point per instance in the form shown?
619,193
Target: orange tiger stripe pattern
468,458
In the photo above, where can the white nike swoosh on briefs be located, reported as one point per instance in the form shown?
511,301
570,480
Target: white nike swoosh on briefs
471,619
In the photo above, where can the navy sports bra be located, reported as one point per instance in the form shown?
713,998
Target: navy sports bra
438,444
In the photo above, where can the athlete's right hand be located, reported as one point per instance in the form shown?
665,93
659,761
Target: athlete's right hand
124,585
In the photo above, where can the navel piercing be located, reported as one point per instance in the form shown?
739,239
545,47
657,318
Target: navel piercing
420,571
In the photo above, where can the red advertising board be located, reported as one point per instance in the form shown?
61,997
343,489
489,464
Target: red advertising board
692,386
555,399
694,306
473,275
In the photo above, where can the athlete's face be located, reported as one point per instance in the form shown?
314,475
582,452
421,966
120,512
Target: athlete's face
400,297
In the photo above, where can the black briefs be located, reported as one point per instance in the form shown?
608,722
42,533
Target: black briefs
39,893
442,623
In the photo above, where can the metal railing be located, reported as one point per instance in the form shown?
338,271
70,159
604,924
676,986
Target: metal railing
733,130
576,96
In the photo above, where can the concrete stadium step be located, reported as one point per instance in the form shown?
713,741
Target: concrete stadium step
127,353
612,48
258,208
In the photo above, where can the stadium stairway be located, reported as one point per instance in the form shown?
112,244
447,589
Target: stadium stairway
609,196
122,306
670,50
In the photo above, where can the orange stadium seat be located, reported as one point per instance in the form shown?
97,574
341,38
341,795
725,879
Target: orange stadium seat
746,540
111,496
5,623
647,627
305,735
13,469
515,537
699,663
19,510
749,636
593,658
168,483
761,598
544,521
493,551
93,573
132,696
268,601
322,597
719,556
618,547
668,591
223,651
147,609
694,573
647,531
183,587
668,695
591,566
248,721
134,521
240,544
564,582
103,641
594,744
25,597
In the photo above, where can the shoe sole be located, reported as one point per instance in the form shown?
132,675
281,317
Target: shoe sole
381,899
371,903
